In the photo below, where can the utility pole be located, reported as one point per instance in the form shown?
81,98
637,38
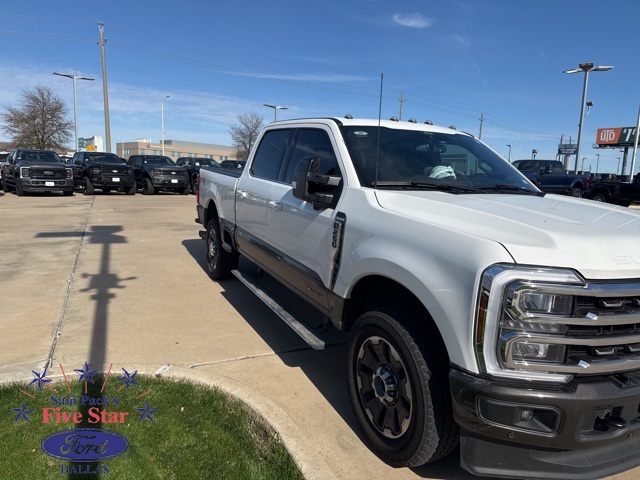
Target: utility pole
105,94
401,99
481,120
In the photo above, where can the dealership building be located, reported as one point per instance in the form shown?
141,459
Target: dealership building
175,149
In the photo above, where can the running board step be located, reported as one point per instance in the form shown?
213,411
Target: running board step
307,335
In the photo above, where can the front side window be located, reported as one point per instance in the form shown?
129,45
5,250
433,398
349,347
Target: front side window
270,154
313,143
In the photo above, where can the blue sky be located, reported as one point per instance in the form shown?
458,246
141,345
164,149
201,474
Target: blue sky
452,61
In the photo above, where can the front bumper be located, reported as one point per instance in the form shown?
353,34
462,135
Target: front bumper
122,181
588,428
170,181
42,185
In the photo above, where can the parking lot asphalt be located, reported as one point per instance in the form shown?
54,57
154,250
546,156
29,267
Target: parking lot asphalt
120,282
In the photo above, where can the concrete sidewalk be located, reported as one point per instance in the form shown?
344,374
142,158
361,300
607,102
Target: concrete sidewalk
118,280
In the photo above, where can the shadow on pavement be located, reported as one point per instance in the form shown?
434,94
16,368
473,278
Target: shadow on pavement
324,368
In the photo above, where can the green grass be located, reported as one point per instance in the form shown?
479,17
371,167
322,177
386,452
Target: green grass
198,433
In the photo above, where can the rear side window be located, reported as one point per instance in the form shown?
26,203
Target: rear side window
313,143
270,153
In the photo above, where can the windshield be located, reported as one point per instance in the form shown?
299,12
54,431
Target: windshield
159,161
38,156
453,162
103,158
205,162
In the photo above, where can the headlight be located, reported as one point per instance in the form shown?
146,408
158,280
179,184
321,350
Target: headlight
156,172
69,172
521,321
24,172
96,170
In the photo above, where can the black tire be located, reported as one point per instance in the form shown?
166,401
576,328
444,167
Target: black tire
576,192
5,187
147,187
68,193
598,197
185,190
106,190
132,189
88,186
19,190
399,390
219,261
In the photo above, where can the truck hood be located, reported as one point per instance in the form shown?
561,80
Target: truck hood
597,239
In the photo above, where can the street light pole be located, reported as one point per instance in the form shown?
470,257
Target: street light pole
275,110
163,123
586,68
597,161
75,100
509,145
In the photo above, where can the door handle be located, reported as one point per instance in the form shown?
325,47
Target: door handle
276,205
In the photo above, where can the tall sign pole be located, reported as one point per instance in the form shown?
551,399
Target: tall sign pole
635,148
105,93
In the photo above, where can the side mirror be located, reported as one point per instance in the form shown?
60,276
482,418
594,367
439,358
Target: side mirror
310,186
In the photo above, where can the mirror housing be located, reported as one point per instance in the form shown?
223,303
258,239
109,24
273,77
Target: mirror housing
310,186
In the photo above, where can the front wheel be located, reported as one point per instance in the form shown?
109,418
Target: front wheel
19,190
219,261
132,189
88,186
399,390
147,187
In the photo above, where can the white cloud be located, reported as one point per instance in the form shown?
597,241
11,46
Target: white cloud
412,20
461,40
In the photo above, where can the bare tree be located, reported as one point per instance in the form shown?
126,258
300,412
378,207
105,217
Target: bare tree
245,133
39,122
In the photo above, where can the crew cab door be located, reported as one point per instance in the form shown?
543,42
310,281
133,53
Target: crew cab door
299,247
552,177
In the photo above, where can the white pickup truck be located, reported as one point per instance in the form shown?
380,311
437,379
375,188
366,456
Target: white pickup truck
480,310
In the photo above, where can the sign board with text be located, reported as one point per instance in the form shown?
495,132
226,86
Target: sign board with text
567,148
616,137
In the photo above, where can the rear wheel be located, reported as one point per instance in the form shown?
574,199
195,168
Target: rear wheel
399,390
576,192
598,197
219,261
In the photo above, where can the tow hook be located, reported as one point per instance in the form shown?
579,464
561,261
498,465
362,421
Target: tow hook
610,421
202,233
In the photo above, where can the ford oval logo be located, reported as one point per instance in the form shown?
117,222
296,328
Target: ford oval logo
84,444
48,172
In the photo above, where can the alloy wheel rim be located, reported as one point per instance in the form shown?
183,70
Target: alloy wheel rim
384,388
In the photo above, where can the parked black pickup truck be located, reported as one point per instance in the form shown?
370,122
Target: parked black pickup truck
104,171
551,177
614,190
154,173
30,170
193,164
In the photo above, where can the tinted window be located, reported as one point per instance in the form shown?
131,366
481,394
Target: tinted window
38,156
102,158
270,153
313,143
158,160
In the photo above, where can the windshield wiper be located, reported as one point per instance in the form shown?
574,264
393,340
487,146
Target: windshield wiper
514,188
443,186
